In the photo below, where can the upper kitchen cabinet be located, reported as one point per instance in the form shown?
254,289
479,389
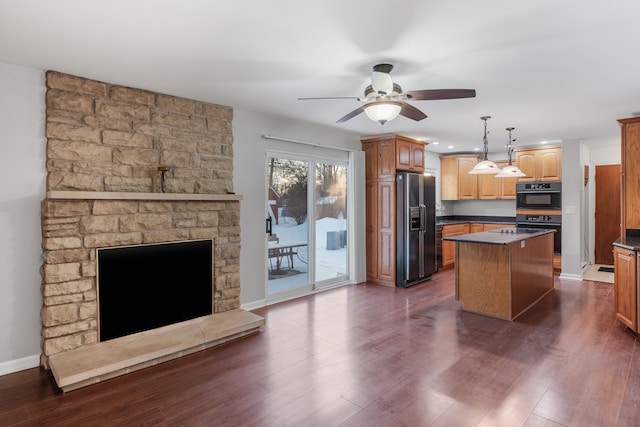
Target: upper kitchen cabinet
380,157
387,154
490,187
455,181
409,155
507,185
630,158
540,164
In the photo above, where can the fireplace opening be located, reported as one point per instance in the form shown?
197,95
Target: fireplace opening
148,286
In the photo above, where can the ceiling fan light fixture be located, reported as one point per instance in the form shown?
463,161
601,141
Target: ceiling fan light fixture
383,111
381,83
381,79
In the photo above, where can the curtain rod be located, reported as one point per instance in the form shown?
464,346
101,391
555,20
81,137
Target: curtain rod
296,141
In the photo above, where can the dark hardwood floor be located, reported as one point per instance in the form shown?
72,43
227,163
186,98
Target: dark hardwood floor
369,355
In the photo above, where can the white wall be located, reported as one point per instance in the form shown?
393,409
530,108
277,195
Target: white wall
574,156
22,188
605,154
249,179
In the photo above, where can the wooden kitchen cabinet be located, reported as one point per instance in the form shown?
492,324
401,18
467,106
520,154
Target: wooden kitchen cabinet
507,188
446,250
625,290
409,155
475,227
380,158
540,164
384,156
493,226
455,181
626,286
489,187
449,248
630,189
492,188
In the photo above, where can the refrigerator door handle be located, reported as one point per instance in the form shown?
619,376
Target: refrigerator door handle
423,217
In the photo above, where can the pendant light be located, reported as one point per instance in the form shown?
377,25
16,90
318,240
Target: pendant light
486,166
510,170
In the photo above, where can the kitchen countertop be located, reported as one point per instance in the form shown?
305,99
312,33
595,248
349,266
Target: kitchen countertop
631,243
501,236
477,219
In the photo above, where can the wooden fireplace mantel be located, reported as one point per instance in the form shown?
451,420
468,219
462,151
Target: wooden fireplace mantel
114,195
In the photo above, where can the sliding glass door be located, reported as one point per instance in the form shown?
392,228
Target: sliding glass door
330,204
307,212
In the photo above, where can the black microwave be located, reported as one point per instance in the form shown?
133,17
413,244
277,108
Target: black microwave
539,195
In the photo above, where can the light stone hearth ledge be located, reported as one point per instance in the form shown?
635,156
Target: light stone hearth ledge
121,195
91,364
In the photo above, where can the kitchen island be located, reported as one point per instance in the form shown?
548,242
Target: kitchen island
502,273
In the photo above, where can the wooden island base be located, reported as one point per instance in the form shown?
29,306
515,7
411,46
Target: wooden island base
504,280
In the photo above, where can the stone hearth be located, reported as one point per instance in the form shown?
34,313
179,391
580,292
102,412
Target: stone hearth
91,364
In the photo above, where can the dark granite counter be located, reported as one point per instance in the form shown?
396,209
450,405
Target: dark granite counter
463,219
628,242
501,236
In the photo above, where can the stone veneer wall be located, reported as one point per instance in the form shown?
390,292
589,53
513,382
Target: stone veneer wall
109,138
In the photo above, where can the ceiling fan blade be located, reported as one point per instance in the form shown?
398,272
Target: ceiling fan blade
331,97
432,94
411,112
351,115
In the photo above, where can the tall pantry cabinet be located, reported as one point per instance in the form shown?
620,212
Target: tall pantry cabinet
384,156
626,251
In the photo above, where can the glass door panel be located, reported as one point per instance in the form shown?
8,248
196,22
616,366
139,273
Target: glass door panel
330,200
287,208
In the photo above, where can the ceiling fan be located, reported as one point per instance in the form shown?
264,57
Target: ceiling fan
384,99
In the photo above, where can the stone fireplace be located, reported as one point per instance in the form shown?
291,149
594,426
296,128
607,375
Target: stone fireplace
107,148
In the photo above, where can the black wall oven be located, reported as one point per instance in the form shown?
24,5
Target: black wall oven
539,205
539,195
545,220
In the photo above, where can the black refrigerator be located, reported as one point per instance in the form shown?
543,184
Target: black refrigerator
416,228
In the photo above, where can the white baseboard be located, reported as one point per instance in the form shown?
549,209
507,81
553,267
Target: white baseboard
16,365
571,276
253,305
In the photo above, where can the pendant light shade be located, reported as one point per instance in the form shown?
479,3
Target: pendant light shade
382,111
486,166
511,170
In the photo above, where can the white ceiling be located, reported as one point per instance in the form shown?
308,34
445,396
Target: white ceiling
553,69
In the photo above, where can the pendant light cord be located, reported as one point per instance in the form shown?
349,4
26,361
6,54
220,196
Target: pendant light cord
484,139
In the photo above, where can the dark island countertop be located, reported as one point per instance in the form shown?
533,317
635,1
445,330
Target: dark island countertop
500,236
